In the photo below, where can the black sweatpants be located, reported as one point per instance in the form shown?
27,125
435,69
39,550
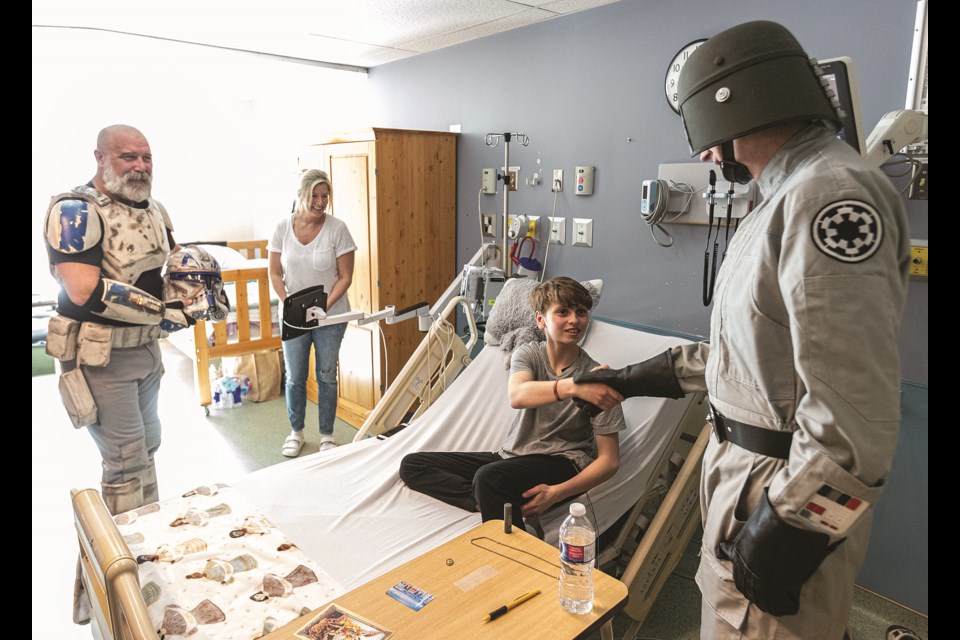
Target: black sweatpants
481,481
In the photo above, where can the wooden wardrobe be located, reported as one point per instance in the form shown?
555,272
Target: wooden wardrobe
397,191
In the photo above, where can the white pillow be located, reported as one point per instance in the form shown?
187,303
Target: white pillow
226,257
512,320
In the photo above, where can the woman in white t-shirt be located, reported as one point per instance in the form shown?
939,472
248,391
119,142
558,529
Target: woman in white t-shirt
307,249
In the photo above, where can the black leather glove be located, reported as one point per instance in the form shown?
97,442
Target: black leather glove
772,559
653,377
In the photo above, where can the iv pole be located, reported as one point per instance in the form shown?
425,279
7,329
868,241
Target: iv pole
492,140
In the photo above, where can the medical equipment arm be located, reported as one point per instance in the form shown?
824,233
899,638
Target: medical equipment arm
654,377
392,316
431,368
896,130
772,559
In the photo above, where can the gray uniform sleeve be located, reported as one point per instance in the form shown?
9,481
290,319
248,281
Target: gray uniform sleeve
689,365
844,309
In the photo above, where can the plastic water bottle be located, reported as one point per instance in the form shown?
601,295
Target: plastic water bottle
578,550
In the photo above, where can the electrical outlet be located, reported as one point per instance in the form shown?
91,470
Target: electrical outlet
918,185
514,177
488,225
557,180
582,232
532,222
918,259
489,184
558,230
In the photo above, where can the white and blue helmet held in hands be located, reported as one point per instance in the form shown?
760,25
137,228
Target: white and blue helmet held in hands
193,277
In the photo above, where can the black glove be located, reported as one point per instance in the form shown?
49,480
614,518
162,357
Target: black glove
772,559
654,377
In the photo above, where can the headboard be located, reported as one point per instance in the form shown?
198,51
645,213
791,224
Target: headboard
250,248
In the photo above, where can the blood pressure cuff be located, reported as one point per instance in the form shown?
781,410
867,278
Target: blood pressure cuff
772,559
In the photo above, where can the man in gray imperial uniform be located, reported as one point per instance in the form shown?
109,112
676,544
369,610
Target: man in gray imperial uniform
802,367
108,242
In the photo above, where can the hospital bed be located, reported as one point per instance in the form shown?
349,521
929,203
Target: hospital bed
248,327
353,519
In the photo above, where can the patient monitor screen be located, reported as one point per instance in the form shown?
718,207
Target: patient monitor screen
838,72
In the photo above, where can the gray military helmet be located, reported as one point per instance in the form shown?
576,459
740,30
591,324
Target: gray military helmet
749,77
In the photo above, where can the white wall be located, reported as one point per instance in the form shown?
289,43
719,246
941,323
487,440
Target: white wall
225,127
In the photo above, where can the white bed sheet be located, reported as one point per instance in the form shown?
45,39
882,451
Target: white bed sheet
349,511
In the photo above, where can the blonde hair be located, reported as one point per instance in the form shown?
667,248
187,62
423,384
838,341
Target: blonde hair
308,182
563,290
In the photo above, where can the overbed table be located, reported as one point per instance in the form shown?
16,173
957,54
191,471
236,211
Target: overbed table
470,576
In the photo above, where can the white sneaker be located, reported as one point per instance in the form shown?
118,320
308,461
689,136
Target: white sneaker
293,444
327,443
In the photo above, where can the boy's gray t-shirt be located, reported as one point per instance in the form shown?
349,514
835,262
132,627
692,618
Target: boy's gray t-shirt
558,427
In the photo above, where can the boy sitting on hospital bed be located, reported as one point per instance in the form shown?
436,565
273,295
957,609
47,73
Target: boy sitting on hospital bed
553,451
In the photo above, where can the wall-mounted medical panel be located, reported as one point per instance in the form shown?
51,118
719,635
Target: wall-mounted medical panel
689,184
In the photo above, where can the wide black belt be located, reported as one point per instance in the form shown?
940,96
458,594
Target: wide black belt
767,442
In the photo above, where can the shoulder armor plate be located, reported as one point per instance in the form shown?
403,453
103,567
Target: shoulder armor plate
73,225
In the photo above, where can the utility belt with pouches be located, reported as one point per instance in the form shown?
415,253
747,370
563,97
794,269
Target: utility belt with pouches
767,442
88,343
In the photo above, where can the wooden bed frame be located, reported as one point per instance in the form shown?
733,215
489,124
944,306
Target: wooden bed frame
245,342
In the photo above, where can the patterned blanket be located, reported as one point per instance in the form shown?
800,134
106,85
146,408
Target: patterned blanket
213,568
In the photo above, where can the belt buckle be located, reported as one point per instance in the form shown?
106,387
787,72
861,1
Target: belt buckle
719,429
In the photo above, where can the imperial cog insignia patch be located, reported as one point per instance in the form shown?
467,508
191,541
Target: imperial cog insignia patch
848,230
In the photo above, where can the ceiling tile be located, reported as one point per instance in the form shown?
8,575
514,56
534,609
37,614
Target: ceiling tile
352,32
480,30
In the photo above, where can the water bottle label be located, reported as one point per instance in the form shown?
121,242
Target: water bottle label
576,554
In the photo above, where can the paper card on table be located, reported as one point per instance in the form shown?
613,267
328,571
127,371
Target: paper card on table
409,595
336,623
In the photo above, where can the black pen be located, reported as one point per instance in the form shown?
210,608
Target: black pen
496,613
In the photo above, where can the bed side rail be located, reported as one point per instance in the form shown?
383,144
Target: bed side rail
619,550
245,342
109,571
434,364
667,537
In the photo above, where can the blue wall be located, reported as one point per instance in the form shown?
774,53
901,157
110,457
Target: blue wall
587,90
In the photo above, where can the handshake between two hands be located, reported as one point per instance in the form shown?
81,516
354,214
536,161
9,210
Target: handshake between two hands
654,377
